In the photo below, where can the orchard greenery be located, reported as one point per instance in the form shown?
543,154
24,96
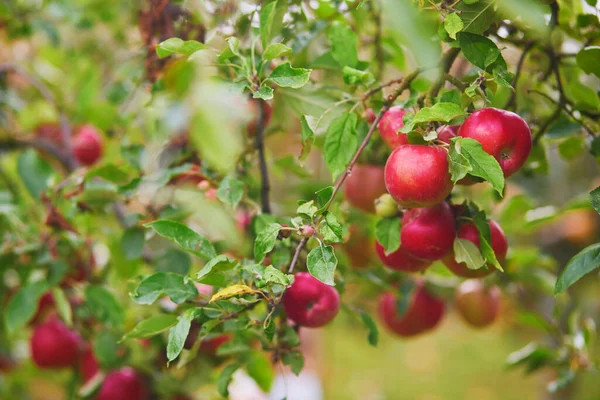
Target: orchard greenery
146,224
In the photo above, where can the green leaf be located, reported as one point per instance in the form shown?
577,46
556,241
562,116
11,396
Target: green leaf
595,199
276,50
104,306
341,143
132,243
259,368
218,264
572,147
482,164
308,209
289,163
62,305
176,286
185,237
271,17
321,263
308,137
466,252
485,240
22,305
533,356
178,46
330,229
265,241
35,172
107,349
274,276
225,379
373,332
231,191
264,93
323,197
477,16
295,360
442,112
459,164
404,299
479,50
453,24
387,233
586,261
354,76
285,75
151,326
179,333
111,172
343,44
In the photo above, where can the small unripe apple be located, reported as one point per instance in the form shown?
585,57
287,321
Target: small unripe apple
418,176
254,109
309,302
447,132
307,231
502,134
88,364
389,125
123,384
424,312
428,233
365,184
386,206
369,115
87,145
470,232
54,345
401,260
477,304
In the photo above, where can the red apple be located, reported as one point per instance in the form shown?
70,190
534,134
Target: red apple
309,302
477,304
359,248
447,132
418,176
123,384
502,134
401,260
87,144
88,364
389,125
53,345
428,233
44,308
471,233
424,312
254,109
364,185
370,115
211,345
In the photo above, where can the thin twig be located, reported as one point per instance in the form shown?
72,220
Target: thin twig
565,109
547,124
260,146
38,144
512,101
297,254
456,82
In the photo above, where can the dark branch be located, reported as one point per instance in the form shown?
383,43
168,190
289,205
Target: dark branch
512,101
260,146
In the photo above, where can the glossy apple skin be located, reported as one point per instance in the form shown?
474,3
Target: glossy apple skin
424,312
254,109
401,260
123,384
87,145
418,176
470,232
364,185
428,233
53,345
502,134
389,125
476,304
448,132
88,364
309,302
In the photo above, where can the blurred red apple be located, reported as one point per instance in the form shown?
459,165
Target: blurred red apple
389,125
364,185
87,144
309,302
53,345
477,304
428,233
401,260
123,384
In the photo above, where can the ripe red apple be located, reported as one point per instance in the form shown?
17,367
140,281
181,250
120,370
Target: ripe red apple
87,144
389,125
447,132
254,109
123,384
401,260
53,345
359,248
428,233
418,176
424,312
364,185
477,304
502,134
470,232
211,345
309,302
88,364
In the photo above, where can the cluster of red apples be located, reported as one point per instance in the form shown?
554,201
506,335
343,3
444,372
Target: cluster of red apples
86,142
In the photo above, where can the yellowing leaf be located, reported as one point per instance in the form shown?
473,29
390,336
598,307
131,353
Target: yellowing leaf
231,291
